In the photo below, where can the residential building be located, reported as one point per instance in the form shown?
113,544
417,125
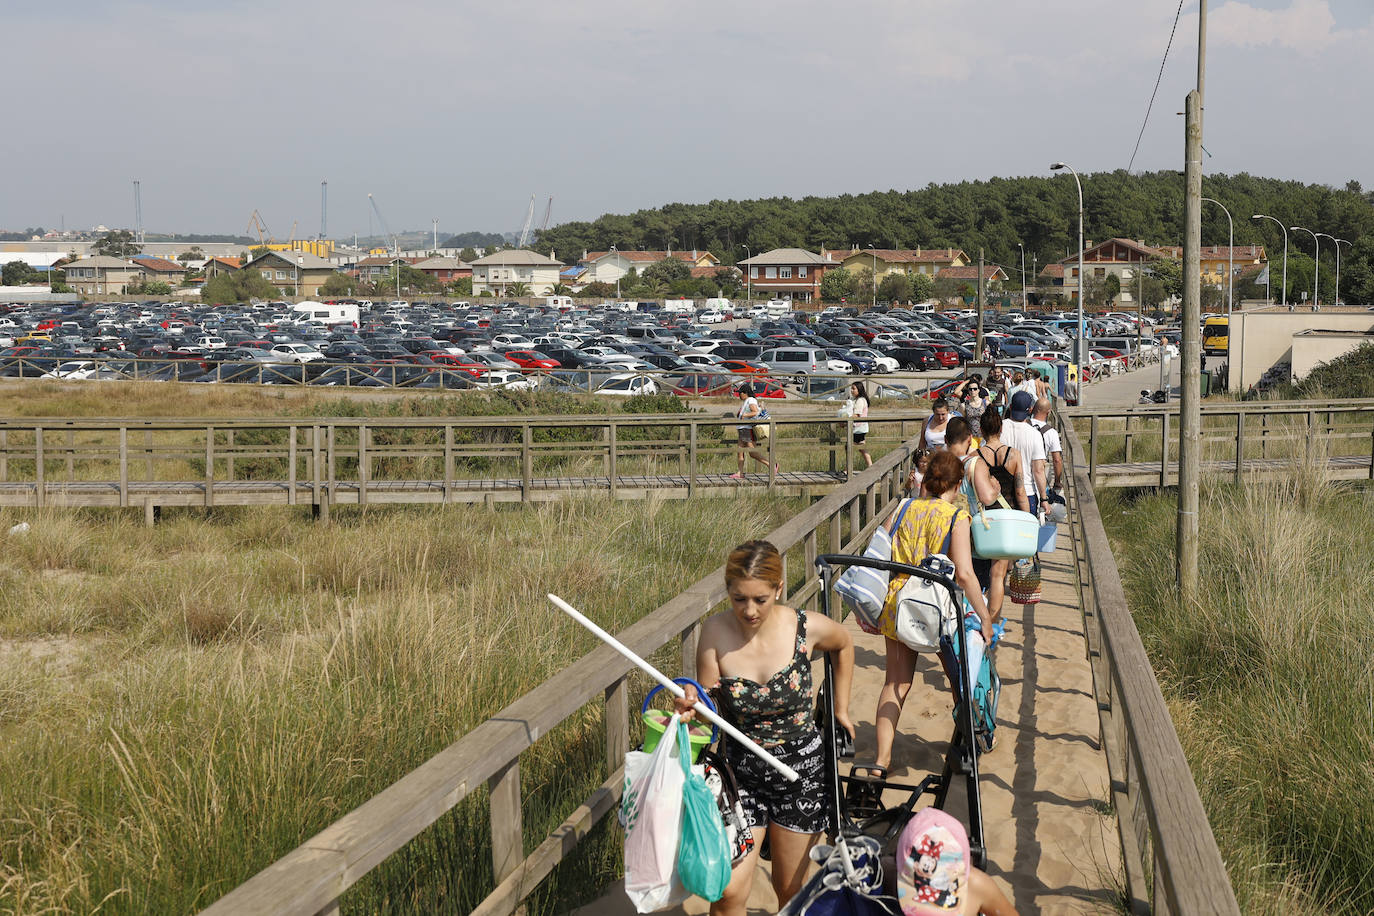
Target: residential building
993,276
609,266
500,270
160,270
216,266
787,273
1122,258
884,261
102,275
295,273
372,268
445,269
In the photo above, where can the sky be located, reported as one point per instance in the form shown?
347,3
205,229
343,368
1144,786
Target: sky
460,111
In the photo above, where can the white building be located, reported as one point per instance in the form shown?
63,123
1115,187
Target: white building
499,271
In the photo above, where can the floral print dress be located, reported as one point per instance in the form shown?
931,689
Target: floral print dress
779,710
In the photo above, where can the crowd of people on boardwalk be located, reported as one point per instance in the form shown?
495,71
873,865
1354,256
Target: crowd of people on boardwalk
990,444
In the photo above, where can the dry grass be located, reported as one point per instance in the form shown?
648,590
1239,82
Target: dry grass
222,687
1270,678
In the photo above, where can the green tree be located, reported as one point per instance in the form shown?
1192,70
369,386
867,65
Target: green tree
192,254
895,287
518,290
461,287
467,255
630,283
149,288
863,285
258,252
922,287
561,289
237,286
668,271
598,290
117,244
1113,288
18,273
338,285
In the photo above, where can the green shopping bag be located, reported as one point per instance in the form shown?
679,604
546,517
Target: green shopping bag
703,854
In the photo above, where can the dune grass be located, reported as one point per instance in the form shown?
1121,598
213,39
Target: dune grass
180,706
1270,678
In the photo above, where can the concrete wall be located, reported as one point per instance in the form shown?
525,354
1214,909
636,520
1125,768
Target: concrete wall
1263,337
1311,348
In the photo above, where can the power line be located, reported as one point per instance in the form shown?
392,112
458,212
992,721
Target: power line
1158,80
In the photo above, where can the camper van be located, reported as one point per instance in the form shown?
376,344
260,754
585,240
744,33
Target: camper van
558,302
777,308
326,313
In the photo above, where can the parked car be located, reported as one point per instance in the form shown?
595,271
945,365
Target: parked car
628,385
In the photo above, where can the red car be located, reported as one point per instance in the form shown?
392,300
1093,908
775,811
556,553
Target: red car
530,359
948,356
763,388
744,367
702,384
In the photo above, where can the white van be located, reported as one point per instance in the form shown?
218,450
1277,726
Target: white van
777,308
679,306
923,308
558,302
326,313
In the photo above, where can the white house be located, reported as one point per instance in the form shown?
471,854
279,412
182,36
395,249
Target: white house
500,270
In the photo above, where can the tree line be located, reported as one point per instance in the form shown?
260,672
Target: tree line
994,215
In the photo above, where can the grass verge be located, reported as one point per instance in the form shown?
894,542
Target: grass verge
1270,678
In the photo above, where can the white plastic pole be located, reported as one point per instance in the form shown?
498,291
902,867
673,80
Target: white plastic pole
668,684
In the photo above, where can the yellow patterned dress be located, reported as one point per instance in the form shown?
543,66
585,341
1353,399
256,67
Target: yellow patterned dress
924,528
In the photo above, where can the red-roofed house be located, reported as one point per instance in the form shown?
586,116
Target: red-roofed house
610,266
1122,258
992,275
159,270
884,261
216,266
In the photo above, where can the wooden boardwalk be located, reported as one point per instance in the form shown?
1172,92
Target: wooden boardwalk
1151,474
1052,841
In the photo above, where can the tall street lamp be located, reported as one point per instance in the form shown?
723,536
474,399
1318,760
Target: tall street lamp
1317,261
1336,242
1023,277
748,297
1078,346
875,274
617,276
1230,257
1283,293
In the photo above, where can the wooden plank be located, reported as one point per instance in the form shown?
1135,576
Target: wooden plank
612,465
4,455
690,637
123,466
617,716
40,464
507,823
1240,446
209,466
526,461
291,495
448,462
364,471
692,458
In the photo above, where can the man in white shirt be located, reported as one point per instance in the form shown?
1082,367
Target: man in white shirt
1019,434
1054,448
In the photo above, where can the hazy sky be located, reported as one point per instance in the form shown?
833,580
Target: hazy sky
461,110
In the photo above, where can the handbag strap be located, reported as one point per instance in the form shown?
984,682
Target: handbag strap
901,514
949,535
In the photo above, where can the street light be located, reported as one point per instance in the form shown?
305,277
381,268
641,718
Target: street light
1078,345
1283,293
748,296
1023,276
617,276
1337,242
1317,269
1230,257
875,274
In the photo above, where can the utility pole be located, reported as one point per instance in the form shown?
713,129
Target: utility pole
978,342
1190,408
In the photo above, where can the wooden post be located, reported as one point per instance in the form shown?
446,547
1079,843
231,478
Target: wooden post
1128,436
1240,445
71,453
849,448
690,637
507,828
4,454
834,546
41,489
692,459
612,471
854,525
1092,449
448,462
229,452
291,497
150,512
209,466
1190,402
364,472
1311,435
148,451
809,549
123,466
526,462
1164,451
617,724
1264,435
329,444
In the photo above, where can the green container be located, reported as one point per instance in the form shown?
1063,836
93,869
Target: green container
1206,384
656,721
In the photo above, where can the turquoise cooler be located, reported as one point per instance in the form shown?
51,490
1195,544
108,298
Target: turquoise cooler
1005,534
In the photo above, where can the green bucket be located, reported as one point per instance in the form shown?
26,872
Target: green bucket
656,721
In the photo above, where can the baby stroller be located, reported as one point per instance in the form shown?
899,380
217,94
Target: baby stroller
860,809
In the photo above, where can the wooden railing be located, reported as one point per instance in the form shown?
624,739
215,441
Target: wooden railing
1231,435
1171,859
311,879
327,461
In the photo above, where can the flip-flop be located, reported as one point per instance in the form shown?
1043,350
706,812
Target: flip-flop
875,773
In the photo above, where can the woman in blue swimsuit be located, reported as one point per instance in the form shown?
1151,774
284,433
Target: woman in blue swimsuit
756,659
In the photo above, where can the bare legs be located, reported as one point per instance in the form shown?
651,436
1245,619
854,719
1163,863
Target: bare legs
901,669
790,864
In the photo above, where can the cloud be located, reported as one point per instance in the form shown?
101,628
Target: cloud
1305,26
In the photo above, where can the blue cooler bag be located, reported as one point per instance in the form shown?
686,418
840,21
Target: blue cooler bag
1004,534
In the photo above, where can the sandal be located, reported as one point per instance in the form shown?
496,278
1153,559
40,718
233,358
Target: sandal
875,773
863,796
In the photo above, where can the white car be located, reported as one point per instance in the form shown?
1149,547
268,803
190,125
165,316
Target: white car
706,360
296,353
711,316
77,369
627,384
512,341
884,363
504,378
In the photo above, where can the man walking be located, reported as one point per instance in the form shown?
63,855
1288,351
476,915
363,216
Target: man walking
1019,434
1054,448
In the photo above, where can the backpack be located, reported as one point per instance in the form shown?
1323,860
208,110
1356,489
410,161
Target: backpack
926,609
933,864
863,588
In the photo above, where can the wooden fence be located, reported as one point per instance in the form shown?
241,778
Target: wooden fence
311,879
1171,859
1138,446
323,462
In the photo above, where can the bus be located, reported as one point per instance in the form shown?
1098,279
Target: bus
1215,336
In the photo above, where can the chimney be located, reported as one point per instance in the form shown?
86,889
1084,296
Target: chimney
1088,245
918,251
553,255
584,254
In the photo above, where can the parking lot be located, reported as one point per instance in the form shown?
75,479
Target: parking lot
614,349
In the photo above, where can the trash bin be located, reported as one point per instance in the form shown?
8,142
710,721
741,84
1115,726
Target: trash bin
1206,378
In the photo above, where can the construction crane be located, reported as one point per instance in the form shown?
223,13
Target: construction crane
395,245
529,219
138,211
255,221
547,210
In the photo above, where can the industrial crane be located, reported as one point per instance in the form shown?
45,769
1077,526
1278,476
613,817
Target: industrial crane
395,245
547,210
529,219
256,221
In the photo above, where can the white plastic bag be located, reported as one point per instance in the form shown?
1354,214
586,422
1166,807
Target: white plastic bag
651,812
